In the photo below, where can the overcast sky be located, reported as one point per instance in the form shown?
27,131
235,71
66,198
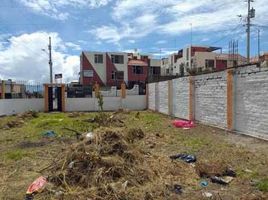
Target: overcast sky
158,27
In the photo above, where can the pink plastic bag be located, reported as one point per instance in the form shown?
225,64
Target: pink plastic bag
37,186
183,124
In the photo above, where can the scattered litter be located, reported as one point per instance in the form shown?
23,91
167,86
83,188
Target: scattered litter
185,157
59,194
248,171
177,189
219,180
229,172
71,165
228,179
204,183
183,124
207,194
36,187
49,134
89,136
222,180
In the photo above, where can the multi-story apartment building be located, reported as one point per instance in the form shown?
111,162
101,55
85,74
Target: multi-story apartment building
114,68
198,58
168,65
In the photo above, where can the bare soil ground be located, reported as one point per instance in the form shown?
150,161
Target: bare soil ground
128,158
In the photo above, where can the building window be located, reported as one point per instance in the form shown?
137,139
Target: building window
117,59
137,69
187,54
209,63
144,57
113,75
155,70
98,58
117,75
167,71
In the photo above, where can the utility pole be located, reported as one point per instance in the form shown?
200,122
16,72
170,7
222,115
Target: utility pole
259,45
190,49
251,14
50,61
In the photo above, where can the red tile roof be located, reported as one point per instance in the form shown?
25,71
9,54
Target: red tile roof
137,63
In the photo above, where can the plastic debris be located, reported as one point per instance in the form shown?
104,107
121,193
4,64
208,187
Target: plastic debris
49,134
29,197
177,189
71,165
248,171
89,136
222,180
204,183
183,124
229,172
207,194
185,157
36,187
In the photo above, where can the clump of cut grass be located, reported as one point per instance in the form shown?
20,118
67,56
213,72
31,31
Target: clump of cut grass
16,155
263,185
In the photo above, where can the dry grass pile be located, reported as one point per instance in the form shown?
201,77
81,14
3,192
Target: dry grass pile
19,120
107,164
106,120
111,166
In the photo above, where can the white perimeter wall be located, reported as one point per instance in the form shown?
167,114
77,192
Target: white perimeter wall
110,103
210,99
251,101
163,96
151,98
181,97
15,106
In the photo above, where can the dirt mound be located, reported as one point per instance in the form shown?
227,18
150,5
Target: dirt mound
107,161
108,120
13,124
112,166
211,168
28,115
19,120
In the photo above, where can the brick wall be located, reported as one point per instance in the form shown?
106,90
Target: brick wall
210,99
151,96
163,97
181,98
251,100
234,99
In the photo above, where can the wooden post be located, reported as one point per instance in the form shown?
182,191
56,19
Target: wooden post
63,98
123,90
97,89
170,97
46,97
3,90
191,98
230,93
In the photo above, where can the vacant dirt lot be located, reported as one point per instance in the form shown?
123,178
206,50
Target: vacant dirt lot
127,159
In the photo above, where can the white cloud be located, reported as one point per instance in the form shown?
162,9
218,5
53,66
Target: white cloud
136,28
132,41
23,59
161,42
173,17
73,46
53,8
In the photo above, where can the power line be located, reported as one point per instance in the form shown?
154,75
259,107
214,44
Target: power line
226,36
